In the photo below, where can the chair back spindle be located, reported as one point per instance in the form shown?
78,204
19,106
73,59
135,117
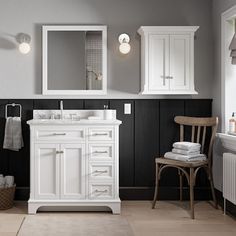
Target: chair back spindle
203,139
193,133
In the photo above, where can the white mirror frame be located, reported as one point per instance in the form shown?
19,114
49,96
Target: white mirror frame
45,30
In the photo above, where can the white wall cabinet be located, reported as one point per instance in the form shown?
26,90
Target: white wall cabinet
74,165
167,58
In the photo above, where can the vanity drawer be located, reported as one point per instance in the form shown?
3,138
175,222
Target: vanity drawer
101,152
59,134
101,171
101,134
100,191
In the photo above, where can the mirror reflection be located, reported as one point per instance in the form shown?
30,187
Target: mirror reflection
74,60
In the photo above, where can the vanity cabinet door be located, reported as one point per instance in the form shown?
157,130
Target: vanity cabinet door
158,62
47,163
72,171
179,62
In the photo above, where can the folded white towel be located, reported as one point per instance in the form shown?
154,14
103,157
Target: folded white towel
185,152
179,157
189,146
13,139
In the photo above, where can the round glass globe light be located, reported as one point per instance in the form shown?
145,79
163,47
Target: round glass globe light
24,48
124,48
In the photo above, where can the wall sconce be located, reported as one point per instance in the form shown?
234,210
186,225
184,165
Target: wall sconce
24,43
124,43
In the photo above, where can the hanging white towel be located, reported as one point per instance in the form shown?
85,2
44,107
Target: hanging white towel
179,157
13,139
189,146
185,152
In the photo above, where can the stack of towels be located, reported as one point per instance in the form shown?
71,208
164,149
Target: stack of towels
186,151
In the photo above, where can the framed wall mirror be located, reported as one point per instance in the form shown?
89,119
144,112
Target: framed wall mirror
74,60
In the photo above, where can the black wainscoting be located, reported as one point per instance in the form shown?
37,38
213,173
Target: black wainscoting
126,142
146,141
145,134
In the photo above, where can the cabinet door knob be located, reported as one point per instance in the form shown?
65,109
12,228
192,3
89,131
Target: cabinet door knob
59,133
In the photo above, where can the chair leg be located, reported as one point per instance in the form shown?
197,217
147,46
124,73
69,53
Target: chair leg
191,185
212,187
180,185
156,186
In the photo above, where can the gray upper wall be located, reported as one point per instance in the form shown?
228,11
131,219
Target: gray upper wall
20,75
219,6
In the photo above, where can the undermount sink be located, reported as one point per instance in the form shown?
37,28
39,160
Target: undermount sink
228,141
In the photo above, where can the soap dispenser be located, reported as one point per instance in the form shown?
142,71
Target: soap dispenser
232,123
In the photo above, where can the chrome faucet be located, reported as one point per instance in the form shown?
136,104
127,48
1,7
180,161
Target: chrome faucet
61,108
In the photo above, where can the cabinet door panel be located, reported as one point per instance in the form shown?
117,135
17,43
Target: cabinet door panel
72,171
158,62
47,171
179,62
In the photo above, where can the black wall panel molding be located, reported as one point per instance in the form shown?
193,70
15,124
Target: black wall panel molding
126,141
146,141
146,133
47,104
165,193
96,103
3,153
73,104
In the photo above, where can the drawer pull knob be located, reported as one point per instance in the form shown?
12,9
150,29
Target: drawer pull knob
100,152
101,171
59,152
101,191
100,134
59,133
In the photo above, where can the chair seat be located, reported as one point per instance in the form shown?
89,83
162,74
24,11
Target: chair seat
166,161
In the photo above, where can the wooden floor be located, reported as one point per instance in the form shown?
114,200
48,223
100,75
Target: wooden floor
169,218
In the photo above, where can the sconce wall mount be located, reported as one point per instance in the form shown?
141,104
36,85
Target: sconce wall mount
24,42
124,40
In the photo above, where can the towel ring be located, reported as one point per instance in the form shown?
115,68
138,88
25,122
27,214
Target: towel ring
13,105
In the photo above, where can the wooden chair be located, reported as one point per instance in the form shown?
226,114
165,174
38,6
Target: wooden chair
192,166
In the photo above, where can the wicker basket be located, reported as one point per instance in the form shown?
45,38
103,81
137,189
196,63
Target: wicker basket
7,197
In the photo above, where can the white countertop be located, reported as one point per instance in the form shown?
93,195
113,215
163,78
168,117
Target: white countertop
72,122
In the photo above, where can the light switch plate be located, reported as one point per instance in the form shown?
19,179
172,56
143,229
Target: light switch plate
127,108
